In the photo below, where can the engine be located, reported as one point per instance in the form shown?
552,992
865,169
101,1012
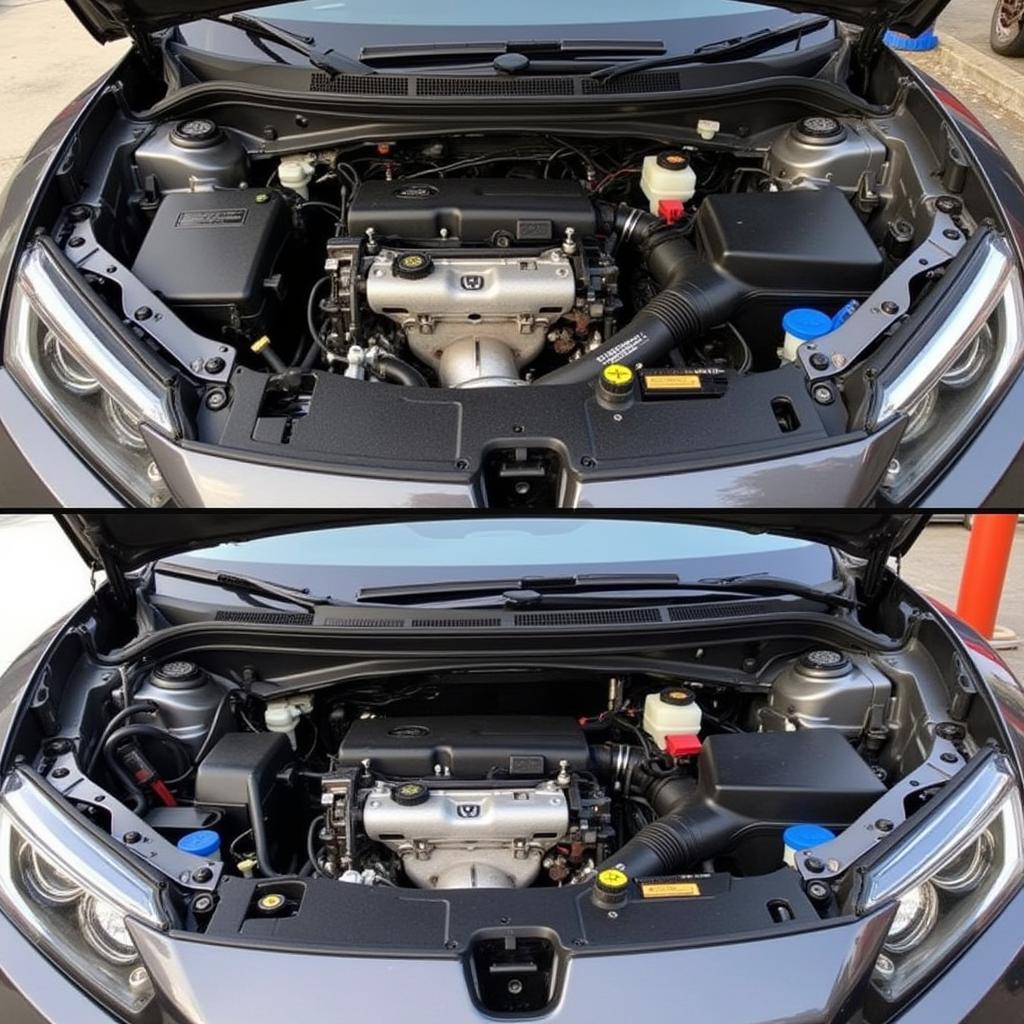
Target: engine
475,802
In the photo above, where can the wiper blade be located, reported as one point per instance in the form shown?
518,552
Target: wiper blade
536,48
526,590
331,61
736,48
301,597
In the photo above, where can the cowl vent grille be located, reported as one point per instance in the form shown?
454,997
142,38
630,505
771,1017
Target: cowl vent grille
454,86
361,85
590,617
357,623
701,612
481,623
266,618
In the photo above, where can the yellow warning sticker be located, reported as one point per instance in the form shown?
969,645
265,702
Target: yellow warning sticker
660,890
686,381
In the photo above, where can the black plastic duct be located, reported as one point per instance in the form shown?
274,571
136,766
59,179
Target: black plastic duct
694,297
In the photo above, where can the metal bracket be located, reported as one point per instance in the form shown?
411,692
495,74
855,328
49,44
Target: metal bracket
203,358
834,352
881,818
127,828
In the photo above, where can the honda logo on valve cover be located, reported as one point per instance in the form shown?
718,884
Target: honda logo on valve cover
472,282
468,810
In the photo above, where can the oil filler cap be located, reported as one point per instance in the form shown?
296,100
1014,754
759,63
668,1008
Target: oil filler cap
270,903
409,794
413,265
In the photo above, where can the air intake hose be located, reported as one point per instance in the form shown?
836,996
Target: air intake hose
694,297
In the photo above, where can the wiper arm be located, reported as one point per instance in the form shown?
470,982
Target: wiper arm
411,53
736,48
301,597
526,590
331,61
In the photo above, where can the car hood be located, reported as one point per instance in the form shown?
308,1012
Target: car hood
113,19
123,541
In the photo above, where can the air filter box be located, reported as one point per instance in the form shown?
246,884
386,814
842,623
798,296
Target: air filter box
801,241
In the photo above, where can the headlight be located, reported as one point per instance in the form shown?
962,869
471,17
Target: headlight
85,379
949,877
68,895
957,377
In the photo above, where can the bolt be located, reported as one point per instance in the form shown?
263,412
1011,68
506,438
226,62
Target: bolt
269,132
823,395
79,213
948,204
517,428
838,360
522,488
613,914
111,268
579,942
949,731
819,361
76,242
588,462
814,864
216,399
884,825
143,313
515,986
57,746
461,464
951,233
262,197
138,977
504,920
59,773
202,904
451,944
214,364
132,837
203,874
301,121
948,757
818,891
890,308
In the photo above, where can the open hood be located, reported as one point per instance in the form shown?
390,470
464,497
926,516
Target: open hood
122,541
113,19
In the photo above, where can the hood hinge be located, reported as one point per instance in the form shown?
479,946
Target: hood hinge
874,570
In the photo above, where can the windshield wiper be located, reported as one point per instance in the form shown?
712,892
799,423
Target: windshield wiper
243,584
331,61
531,590
432,53
736,48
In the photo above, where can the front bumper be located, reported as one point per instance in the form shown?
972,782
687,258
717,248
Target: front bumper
806,978
40,470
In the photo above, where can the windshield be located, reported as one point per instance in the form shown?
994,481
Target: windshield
343,560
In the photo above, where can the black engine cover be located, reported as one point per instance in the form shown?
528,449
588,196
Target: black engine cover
473,210
466,747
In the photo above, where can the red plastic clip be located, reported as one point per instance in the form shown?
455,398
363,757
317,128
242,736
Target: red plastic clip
671,210
682,746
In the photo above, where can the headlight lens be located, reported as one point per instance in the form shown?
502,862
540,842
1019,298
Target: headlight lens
957,377
949,877
84,379
70,897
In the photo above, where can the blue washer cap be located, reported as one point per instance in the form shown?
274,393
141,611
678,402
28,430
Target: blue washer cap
204,843
803,837
806,324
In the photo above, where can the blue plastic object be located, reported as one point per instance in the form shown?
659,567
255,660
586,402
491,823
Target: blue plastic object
204,843
844,314
803,837
927,40
806,324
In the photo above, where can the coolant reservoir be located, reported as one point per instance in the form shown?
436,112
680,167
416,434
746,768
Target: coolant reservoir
672,712
668,181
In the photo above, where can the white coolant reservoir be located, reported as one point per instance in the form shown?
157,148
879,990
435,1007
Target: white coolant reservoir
672,712
668,181
296,172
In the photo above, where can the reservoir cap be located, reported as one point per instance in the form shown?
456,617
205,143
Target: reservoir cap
678,696
803,837
204,843
806,324
612,881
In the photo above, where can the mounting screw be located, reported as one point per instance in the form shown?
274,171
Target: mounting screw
143,313
951,233
949,731
890,308
588,462
819,361
202,904
815,864
823,394
203,874
59,773
949,205
818,891
131,837
214,364
79,213
61,745
461,464
515,986
949,758
884,825
579,942
76,242
216,399
451,944
517,428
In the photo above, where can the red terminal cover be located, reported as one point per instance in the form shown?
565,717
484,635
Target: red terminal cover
671,210
682,746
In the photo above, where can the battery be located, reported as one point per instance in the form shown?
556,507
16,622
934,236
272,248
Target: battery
687,382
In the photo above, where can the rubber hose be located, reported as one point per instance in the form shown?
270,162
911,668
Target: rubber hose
397,371
264,865
135,795
694,297
144,706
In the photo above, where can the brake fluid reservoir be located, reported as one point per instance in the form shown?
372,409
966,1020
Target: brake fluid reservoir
667,179
672,712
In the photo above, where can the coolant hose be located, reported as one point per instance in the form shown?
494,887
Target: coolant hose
694,297
397,371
